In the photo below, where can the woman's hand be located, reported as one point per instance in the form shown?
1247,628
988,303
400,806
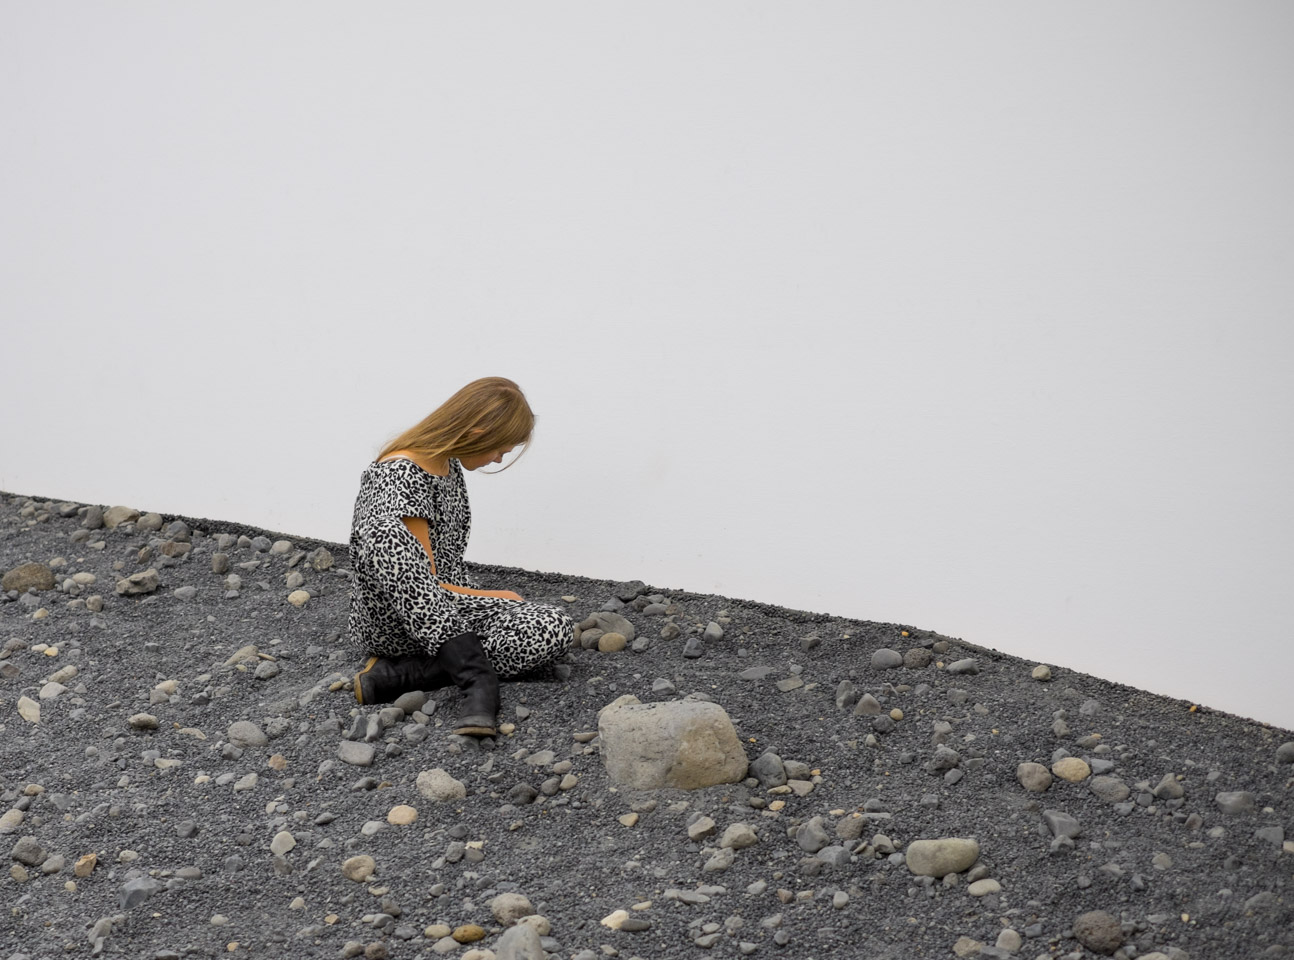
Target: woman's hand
469,591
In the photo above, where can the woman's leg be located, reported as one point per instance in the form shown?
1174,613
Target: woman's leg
523,636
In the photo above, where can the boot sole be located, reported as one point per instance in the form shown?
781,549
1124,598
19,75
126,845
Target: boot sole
475,730
359,686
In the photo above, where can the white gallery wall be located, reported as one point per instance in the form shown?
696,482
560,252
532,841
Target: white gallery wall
974,317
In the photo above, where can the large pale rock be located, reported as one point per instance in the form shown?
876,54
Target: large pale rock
115,516
1099,932
438,785
937,858
25,576
610,623
146,581
687,744
29,709
508,908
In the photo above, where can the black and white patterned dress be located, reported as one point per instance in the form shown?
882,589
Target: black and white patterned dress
399,607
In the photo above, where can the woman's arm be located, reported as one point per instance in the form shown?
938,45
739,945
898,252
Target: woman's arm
419,528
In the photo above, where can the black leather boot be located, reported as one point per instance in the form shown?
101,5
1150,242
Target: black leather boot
383,679
464,660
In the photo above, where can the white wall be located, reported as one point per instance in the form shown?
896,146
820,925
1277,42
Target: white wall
973,317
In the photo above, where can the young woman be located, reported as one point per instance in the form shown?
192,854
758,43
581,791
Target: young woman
415,612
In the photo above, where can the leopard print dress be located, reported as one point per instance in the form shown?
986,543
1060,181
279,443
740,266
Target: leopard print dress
398,605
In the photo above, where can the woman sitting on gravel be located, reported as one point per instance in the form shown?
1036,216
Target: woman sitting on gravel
414,611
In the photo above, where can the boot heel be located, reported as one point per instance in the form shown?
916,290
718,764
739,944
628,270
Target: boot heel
359,682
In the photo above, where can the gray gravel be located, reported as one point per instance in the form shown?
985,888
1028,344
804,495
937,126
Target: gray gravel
184,772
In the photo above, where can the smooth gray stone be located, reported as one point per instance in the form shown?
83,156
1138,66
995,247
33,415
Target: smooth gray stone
768,769
135,892
520,942
1236,801
1061,824
356,754
966,666
812,836
692,650
886,659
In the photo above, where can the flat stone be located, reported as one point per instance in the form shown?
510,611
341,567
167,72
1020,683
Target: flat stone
244,733
508,908
402,815
29,709
1061,824
1073,769
939,857
1109,789
1237,801
28,576
356,753
1034,777
738,836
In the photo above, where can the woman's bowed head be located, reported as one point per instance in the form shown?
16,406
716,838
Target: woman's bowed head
478,425
416,613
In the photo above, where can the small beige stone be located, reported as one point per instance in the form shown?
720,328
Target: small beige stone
541,924
85,865
567,598
615,920
29,709
966,947
1041,672
19,873
298,903
437,931
282,843
982,888
508,908
359,868
298,598
402,815
11,820
142,721
1033,776
611,643
628,819
436,784
1073,769
468,933
896,714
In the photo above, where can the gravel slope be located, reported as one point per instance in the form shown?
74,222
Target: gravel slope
210,842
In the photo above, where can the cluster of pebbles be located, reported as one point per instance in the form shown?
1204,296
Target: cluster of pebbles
184,771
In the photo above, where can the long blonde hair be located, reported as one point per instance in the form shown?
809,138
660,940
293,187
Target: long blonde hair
494,406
